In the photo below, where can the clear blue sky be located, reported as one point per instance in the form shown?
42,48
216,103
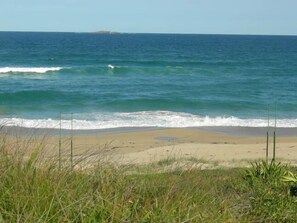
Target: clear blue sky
151,16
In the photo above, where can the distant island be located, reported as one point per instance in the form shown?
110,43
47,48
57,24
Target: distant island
106,32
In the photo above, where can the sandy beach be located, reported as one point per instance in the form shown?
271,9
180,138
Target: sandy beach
209,147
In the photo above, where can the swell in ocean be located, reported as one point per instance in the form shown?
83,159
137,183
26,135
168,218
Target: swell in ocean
142,80
163,119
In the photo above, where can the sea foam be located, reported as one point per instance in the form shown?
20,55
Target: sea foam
165,119
28,69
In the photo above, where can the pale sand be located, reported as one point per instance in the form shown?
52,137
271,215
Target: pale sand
149,146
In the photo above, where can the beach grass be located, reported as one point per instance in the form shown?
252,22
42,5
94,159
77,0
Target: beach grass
34,189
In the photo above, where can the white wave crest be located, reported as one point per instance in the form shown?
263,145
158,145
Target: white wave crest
28,69
110,66
143,119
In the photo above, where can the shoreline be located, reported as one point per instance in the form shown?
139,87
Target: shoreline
224,130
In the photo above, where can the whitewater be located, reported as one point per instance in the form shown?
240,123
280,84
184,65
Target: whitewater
162,119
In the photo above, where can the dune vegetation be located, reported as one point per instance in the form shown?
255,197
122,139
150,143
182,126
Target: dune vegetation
35,189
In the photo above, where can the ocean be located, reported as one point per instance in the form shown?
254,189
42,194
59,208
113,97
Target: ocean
146,80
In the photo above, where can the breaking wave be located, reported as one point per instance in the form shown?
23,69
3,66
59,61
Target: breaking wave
28,69
164,119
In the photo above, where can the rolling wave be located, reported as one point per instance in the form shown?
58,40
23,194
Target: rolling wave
104,69
28,69
136,69
165,119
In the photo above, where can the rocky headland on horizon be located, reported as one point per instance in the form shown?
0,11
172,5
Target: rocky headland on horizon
106,32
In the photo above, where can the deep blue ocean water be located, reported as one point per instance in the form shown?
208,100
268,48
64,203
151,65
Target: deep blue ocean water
136,80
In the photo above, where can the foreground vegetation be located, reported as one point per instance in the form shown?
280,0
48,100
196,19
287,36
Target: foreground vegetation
33,191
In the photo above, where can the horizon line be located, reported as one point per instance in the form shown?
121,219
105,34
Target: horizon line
152,33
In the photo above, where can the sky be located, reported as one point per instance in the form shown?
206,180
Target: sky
273,17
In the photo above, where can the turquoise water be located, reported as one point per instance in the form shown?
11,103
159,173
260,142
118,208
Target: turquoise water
136,80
